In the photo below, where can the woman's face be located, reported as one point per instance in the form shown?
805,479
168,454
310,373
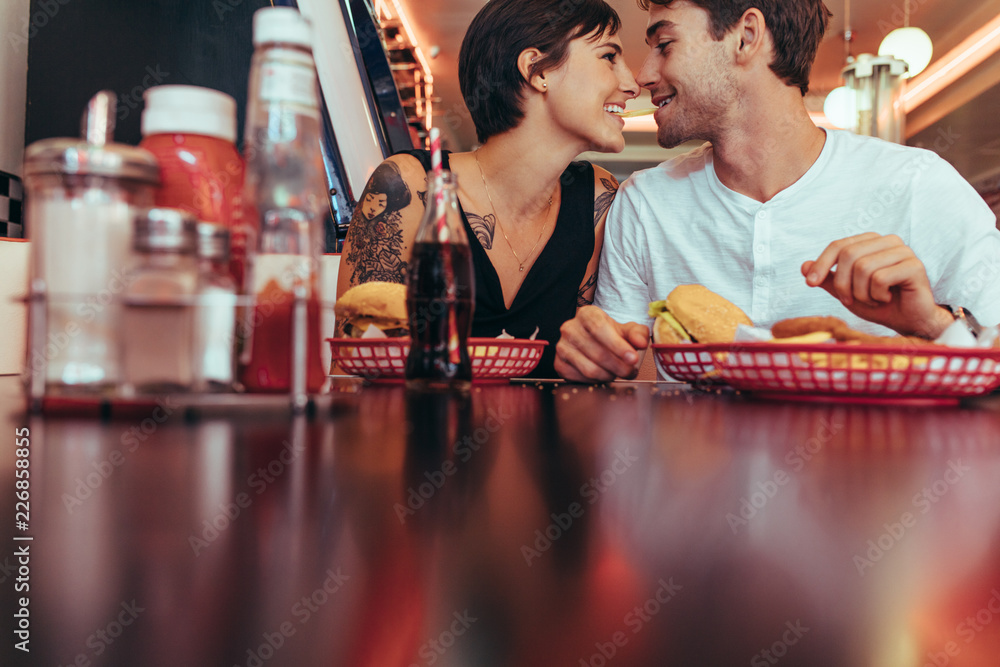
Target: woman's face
373,204
588,87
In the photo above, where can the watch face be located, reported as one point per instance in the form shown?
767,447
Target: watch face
965,315
974,326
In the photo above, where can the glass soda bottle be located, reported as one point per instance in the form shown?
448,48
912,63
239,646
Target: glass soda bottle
286,190
440,293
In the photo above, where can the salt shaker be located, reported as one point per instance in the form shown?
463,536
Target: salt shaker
158,338
215,317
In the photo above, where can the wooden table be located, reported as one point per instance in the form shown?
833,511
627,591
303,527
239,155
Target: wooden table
524,525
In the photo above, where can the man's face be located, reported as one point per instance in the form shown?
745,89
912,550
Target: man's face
690,75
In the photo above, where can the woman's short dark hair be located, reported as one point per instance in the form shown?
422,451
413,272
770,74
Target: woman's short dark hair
797,27
491,83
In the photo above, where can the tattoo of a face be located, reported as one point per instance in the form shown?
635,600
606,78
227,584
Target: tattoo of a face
483,227
376,232
604,200
581,296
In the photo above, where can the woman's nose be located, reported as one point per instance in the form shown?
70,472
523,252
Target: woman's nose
629,86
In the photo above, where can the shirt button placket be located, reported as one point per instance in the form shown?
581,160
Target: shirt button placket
762,265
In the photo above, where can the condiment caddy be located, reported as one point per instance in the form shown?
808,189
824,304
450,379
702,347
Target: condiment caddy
154,269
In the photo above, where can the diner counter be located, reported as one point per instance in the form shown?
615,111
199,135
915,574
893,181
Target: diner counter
523,525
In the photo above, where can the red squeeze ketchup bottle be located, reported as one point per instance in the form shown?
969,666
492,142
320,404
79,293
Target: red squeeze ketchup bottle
287,191
192,133
440,293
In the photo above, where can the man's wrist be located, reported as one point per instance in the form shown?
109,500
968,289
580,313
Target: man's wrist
964,315
934,326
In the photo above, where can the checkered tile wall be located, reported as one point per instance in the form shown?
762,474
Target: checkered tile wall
11,205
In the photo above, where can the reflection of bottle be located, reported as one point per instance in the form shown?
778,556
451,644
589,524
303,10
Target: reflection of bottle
440,293
439,449
286,188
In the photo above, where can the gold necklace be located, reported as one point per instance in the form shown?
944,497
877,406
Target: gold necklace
531,252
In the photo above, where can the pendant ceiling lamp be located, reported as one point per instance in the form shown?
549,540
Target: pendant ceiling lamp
909,44
840,106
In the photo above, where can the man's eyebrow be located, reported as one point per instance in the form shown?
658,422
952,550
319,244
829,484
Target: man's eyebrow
655,28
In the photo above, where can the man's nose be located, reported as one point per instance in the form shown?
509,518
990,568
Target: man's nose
647,76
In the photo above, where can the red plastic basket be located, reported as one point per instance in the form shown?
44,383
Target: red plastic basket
924,371
385,358
691,362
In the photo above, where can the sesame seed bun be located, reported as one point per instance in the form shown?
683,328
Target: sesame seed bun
707,317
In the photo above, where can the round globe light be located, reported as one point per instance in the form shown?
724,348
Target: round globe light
910,44
840,107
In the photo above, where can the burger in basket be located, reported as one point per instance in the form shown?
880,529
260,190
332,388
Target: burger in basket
695,314
375,304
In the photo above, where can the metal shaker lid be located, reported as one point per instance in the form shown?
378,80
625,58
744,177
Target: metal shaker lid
213,241
165,230
95,154
74,156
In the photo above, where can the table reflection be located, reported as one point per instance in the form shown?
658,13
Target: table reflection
521,525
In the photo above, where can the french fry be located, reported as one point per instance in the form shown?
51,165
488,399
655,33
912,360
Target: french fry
637,112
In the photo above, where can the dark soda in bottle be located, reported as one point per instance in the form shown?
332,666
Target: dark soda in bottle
440,293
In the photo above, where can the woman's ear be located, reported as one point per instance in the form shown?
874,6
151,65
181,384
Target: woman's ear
752,32
527,64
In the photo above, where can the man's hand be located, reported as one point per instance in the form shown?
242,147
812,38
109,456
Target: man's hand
878,278
595,348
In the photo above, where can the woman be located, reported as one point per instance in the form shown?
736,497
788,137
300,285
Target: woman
543,82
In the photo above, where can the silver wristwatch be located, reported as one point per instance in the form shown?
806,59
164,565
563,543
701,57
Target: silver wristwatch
964,315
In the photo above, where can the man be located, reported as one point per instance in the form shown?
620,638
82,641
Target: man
891,231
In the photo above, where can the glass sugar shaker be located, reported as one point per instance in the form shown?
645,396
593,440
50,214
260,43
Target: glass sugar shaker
82,196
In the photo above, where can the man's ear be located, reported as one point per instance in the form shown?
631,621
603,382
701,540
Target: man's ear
752,32
527,65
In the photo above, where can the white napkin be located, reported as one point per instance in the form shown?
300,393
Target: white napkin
373,332
745,334
957,335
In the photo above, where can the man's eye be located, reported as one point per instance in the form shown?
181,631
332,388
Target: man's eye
662,46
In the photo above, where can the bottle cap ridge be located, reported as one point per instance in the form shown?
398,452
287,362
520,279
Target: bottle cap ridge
189,110
282,25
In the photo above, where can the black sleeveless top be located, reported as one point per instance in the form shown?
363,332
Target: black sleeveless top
547,297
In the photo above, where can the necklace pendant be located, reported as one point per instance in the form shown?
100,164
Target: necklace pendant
521,268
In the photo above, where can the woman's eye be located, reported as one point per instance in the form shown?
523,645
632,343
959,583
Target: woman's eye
610,57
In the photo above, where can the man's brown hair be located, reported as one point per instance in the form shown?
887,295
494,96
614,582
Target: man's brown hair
797,27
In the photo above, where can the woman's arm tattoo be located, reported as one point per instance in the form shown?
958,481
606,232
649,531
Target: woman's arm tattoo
604,200
582,299
376,230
